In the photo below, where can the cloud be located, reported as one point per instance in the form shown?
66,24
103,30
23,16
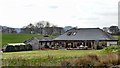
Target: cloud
109,14
62,12
88,18
29,5
53,7
85,18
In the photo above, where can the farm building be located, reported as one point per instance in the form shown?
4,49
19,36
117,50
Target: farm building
83,38
15,44
16,47
39,43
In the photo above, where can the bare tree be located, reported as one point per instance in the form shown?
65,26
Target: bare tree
28,29
54,25
39,27
47,24
39,24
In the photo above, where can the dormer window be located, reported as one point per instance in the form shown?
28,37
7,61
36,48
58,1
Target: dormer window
69,33
74,33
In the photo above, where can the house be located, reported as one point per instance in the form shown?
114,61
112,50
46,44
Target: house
39,43
89,38
82,38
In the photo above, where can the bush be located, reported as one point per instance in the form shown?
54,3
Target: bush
66,63
22,48
17,48
99,47
10,49
112,49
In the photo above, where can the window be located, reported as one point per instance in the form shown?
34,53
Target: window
74,33
69,33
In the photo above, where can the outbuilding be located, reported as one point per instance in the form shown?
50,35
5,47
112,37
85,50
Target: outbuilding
40,43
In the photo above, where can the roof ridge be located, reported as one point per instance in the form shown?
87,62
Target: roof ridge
81,28
88,28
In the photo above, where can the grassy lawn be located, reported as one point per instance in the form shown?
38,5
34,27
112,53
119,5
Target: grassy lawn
44,53
60,58
44,57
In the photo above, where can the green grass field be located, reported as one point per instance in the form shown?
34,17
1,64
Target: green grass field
59,58
18,38
44,53
43,57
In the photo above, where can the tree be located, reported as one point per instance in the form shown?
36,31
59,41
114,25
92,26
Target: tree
42,27
28,29
114,29
47,24
106,29
31,28
39,24
39,27
30,25
54,25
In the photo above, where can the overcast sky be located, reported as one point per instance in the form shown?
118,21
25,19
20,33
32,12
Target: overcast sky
81,13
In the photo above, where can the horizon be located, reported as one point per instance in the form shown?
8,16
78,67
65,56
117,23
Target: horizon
80,13
65,26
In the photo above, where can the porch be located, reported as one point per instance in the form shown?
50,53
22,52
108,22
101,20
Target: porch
79,44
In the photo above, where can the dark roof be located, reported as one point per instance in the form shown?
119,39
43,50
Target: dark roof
85,34
44,39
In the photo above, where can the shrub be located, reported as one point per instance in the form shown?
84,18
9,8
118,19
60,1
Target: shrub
66,63
112,58
99,47
86,61
83,62
112,49
22,47
10,49
93,57
17,48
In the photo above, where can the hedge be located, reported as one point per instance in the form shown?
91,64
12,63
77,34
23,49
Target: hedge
11,48
112,49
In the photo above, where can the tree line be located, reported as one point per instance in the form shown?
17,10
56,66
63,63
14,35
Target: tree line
42,27
112,30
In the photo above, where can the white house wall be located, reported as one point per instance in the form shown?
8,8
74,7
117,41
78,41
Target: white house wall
111,43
